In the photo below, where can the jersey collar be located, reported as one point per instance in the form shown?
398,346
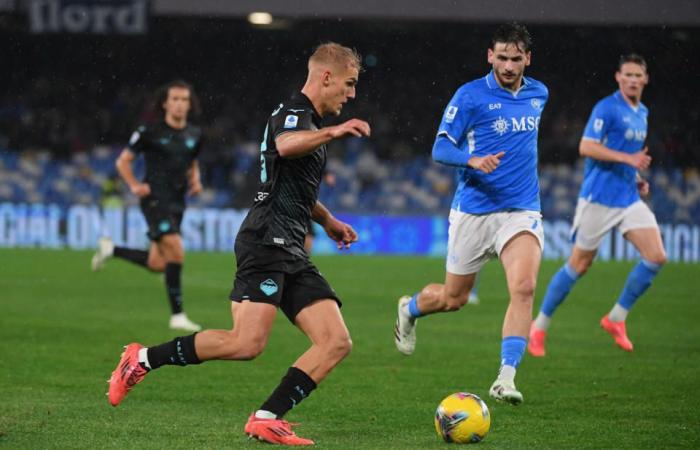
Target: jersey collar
621,99
300,97
493,84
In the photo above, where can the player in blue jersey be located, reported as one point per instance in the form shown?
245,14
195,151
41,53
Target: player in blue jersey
613,144
489,131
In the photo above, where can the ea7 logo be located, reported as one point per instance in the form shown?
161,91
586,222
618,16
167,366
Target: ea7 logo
493,106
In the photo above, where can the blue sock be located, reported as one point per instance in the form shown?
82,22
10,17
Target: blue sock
512,350
413,306
559,287
637,282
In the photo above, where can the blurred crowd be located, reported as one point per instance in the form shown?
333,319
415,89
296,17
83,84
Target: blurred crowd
77,98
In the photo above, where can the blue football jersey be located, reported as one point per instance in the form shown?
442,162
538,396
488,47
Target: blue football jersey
483,118
618,126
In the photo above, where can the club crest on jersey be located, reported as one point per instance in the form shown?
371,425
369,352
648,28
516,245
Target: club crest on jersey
536,103
450,114
500,126
189,142
135,136
291,121
268,287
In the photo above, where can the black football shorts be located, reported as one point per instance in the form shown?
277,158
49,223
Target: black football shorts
269,274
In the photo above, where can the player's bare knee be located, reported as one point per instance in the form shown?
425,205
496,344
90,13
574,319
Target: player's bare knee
338,347
525,288
581,265
155,263
657,258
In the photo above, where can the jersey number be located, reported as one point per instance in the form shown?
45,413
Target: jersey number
263,147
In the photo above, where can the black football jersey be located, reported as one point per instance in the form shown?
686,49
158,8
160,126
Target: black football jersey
169,153
288,186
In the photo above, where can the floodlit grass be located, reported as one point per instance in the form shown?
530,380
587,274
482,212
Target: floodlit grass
62,328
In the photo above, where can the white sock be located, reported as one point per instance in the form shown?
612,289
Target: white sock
262,414
542,321
143,358
506,373
181,315
618,313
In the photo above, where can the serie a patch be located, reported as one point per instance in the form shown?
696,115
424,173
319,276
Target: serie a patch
291,121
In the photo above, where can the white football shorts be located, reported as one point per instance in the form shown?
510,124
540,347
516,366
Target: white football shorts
473,239
592,221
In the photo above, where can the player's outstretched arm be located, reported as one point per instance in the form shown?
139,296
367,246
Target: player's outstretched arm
123,165
593,149
342,233
295,144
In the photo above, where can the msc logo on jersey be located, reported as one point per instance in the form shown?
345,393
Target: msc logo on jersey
637,135
536,103
500,126
450,114
268,287
524,123
291,121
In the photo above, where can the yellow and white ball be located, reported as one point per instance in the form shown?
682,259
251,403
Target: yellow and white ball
462,418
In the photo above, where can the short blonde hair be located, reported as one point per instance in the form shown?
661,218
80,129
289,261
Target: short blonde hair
336,54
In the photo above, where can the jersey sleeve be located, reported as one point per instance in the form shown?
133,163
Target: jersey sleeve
598,123
138,140
458,117
291,120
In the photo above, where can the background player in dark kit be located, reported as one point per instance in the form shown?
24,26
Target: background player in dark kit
170,148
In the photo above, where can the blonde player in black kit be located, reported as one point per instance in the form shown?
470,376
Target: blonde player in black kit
274,271
170,148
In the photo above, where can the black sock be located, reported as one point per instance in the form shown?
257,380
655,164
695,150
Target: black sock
178,352
173,273
294,387
139,257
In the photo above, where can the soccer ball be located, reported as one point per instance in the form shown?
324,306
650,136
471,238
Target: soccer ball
462,418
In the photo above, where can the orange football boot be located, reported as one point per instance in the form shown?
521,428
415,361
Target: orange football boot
127,374
535,343
618,331
274,431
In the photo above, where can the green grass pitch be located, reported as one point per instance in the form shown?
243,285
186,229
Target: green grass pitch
62,328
